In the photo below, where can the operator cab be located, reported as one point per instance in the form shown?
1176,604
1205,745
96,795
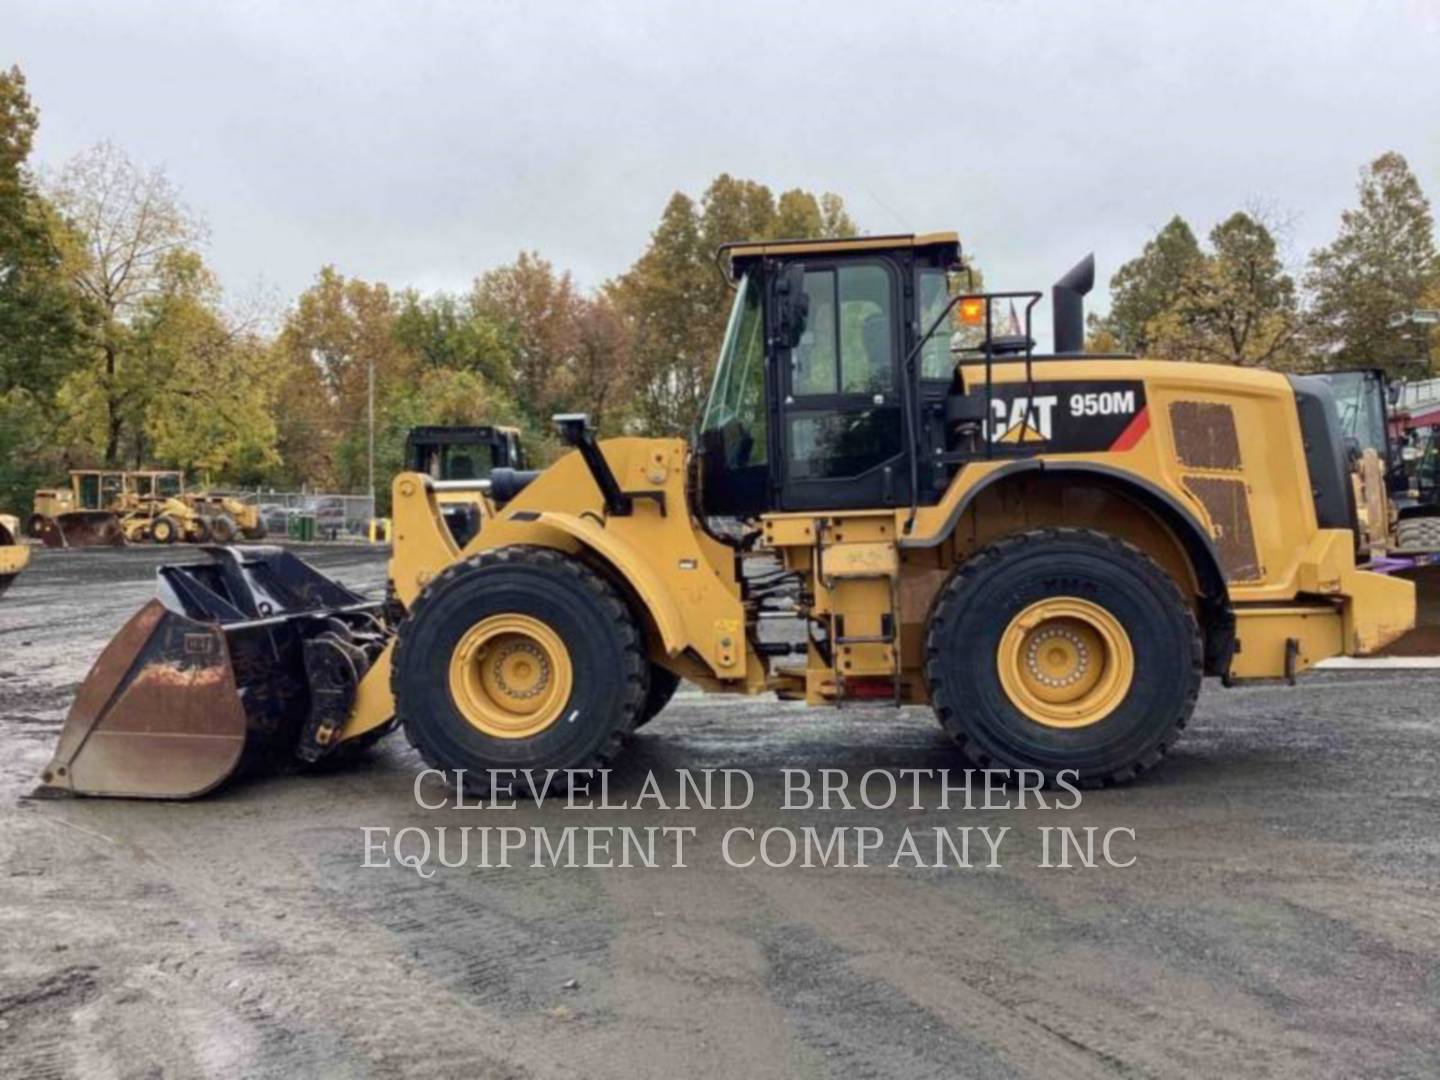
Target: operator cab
463,453
838,385
808,408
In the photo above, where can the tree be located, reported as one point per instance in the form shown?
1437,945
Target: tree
535,309
129,222
675,299
602,382
1147,286
41,320
1375,273
211,412
446,332
669,299
194,388
339,332
440,395
1235,305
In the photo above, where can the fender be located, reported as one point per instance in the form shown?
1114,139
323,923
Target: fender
1199,545
632,567
1219,622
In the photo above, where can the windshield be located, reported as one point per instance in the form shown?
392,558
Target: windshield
1360,398
733,430
736,410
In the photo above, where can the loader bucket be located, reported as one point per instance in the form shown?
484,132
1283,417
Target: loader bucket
216,675
79,528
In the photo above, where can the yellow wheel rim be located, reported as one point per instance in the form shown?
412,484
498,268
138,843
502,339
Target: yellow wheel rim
510,676
1066,662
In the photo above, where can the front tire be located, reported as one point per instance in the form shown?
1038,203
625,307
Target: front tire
1063,649
518,658
165,530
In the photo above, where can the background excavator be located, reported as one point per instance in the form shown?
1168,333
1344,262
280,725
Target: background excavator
1050,551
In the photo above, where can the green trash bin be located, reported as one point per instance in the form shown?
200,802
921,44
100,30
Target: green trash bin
301,527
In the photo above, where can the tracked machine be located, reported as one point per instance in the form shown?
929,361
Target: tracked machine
1050,551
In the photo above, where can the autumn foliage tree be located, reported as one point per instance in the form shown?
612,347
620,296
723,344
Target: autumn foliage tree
129,222
1379,269
340,334
1148,286
42,320
1234,305
676,300
1231,303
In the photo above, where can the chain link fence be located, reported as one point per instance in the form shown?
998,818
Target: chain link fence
336,516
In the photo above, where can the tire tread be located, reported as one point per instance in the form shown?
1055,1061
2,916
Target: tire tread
950,597
554,562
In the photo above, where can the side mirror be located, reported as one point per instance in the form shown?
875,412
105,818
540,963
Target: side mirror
793,305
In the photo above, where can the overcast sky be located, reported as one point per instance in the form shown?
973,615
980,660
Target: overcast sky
421,143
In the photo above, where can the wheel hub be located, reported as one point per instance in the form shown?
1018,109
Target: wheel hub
1065,662
510,676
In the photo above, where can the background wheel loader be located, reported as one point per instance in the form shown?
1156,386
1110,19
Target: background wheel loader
1050,551
14,555
229,517
463,461
1399,510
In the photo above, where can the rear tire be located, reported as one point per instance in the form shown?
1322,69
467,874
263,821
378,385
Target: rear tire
663,684
202,531
583,640
1124,643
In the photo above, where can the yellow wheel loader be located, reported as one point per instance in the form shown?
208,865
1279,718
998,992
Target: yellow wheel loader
1050,551
14,555
464,462
229,517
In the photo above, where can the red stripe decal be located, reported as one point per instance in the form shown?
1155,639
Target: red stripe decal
1133,433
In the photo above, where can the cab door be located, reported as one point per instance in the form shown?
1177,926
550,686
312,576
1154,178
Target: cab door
841,422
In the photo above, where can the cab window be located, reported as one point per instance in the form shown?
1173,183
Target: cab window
849,344
936,361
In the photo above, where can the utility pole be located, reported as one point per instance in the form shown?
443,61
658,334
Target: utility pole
370,410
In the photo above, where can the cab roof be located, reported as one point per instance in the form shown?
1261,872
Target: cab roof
753,249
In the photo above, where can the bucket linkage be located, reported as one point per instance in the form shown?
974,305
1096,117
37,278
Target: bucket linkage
251,659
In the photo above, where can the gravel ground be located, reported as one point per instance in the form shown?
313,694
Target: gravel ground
1281,917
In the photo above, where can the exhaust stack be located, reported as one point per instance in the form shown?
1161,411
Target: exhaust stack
1068,305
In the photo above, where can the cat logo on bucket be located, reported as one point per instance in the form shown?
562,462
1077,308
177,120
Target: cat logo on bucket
1023,419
